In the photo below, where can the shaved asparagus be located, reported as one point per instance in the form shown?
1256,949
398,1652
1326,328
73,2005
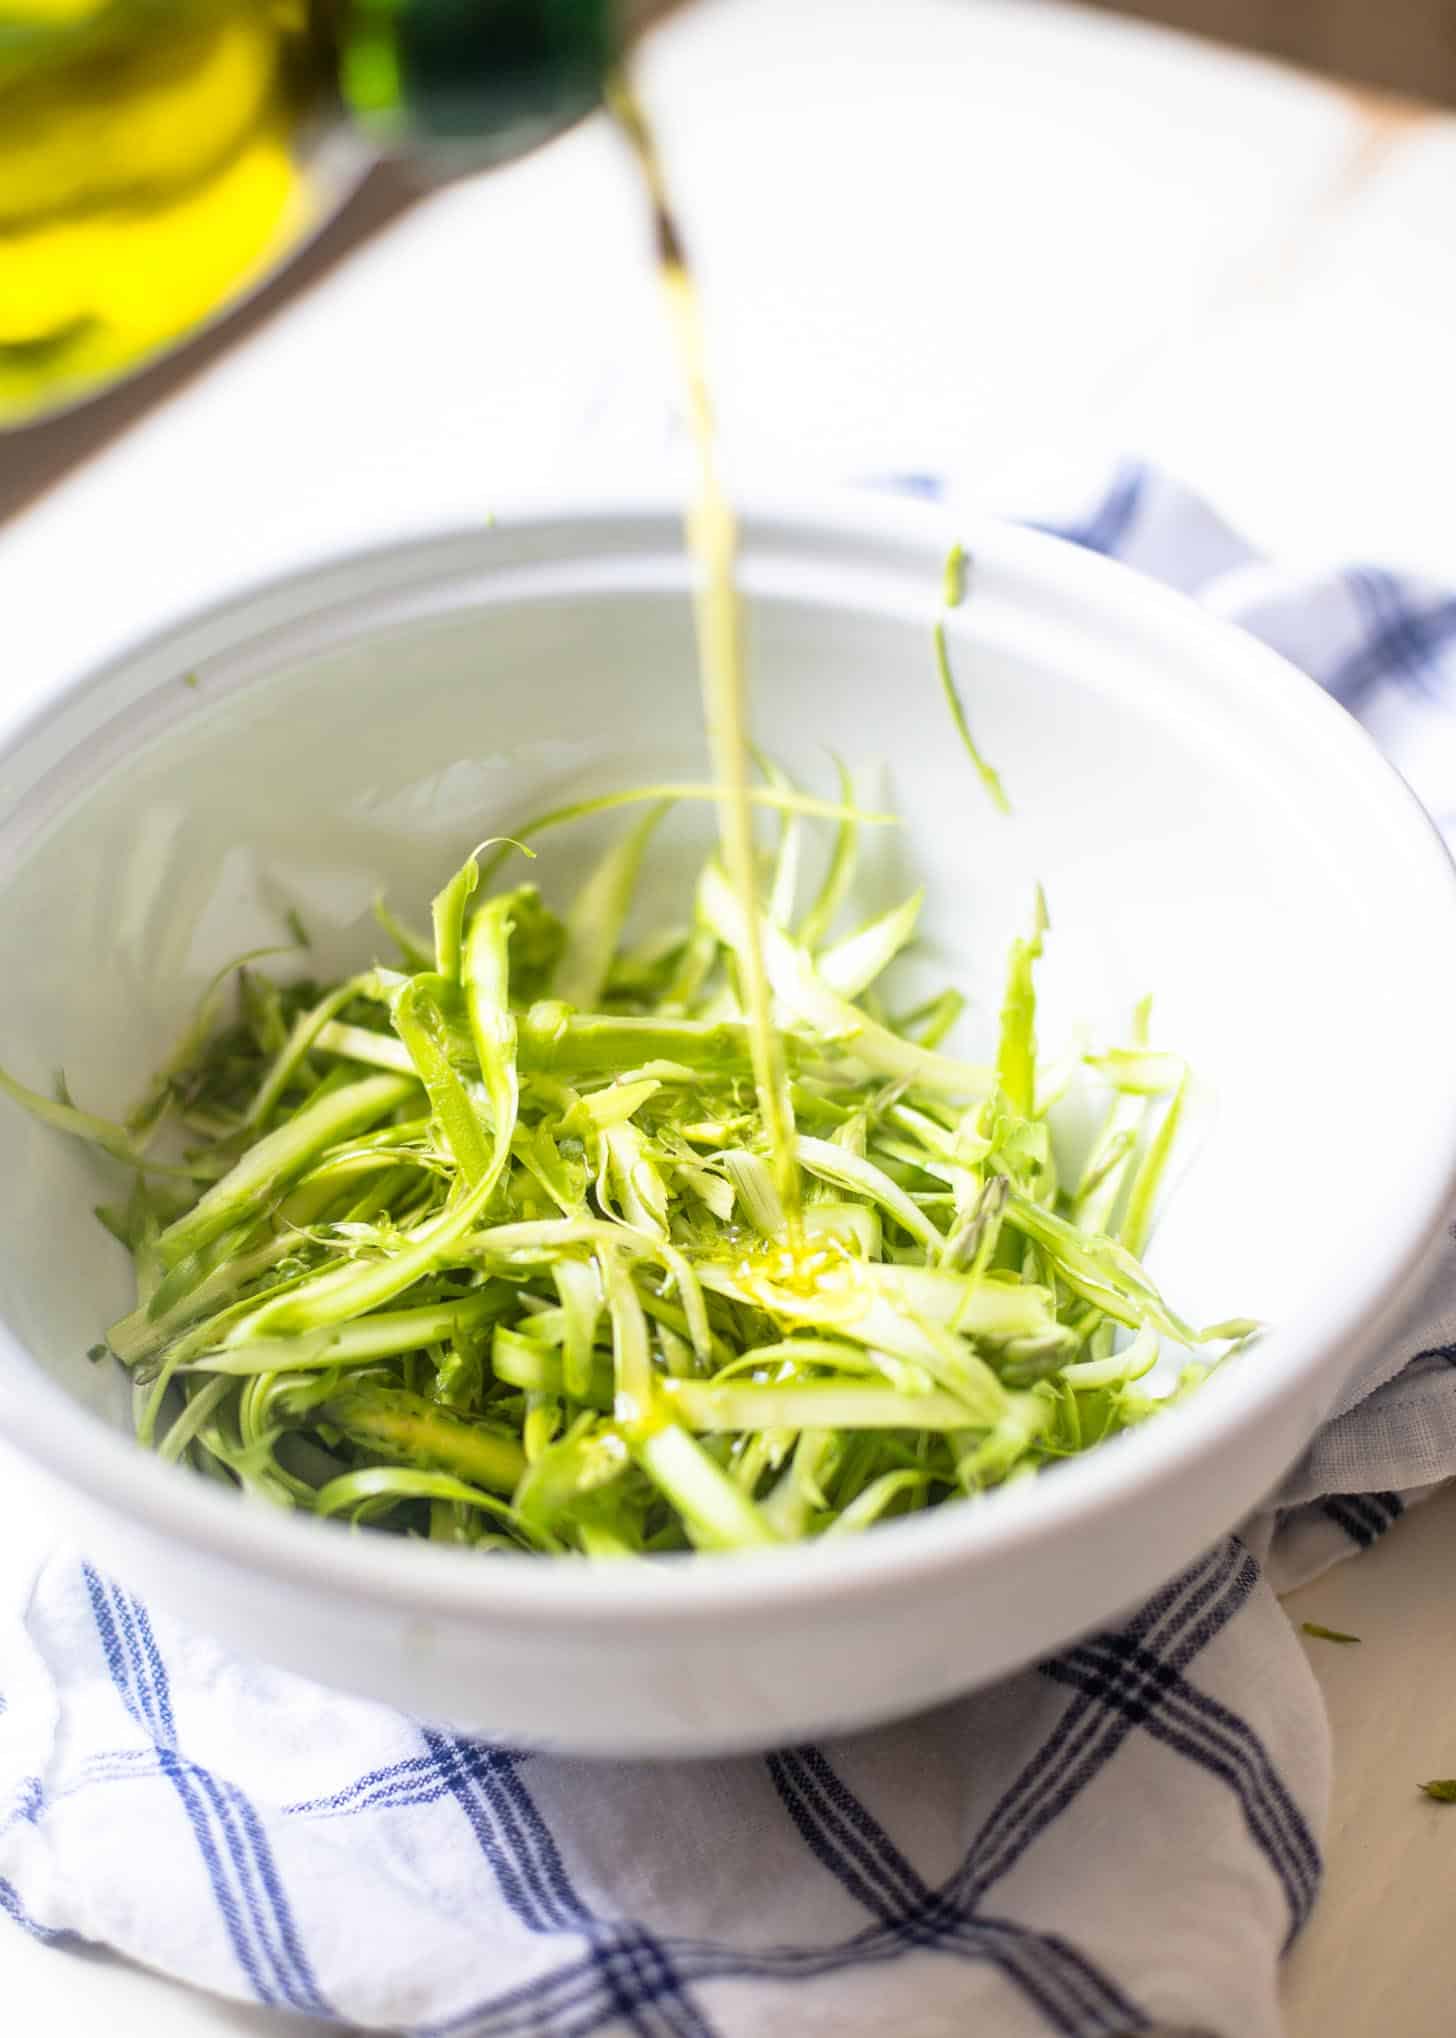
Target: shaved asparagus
490,1248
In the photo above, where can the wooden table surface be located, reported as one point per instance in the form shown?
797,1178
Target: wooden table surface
1007,241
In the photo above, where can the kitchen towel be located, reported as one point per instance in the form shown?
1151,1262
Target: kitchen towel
1124,1838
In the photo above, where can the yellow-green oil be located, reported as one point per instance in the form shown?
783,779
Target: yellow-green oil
149,172
712,534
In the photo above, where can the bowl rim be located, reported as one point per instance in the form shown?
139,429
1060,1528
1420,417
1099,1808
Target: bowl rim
77,1448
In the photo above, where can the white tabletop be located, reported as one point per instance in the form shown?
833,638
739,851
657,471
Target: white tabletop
989,237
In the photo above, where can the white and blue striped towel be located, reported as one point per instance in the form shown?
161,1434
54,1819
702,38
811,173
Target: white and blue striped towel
1123,1839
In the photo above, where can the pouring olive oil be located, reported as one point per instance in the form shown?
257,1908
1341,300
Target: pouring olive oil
160,158
712,536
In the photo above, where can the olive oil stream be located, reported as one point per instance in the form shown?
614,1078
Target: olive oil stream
712,537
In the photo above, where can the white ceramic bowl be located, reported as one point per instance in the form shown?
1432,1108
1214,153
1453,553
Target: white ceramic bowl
1207,825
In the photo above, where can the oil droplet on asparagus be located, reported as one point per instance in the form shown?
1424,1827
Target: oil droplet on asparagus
712,536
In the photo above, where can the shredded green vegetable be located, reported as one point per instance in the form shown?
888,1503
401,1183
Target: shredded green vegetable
488,1247
987,773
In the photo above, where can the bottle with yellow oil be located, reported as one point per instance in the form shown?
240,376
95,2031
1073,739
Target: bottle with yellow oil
159,158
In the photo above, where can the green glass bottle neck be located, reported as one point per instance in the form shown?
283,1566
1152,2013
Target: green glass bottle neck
479,79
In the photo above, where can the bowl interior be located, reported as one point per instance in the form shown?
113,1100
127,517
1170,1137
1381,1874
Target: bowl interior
1206,829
